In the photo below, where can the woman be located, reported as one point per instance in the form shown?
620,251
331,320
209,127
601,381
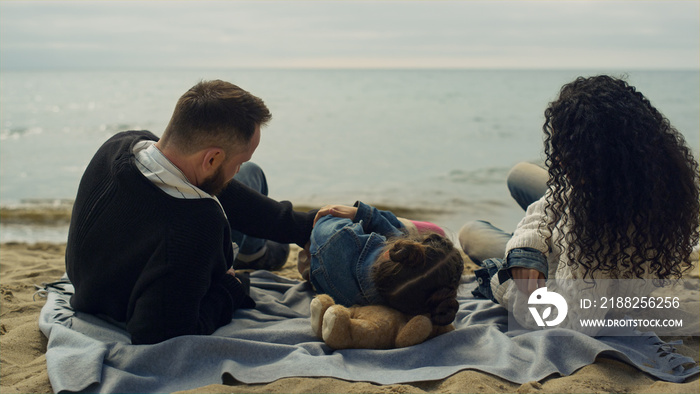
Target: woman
620,202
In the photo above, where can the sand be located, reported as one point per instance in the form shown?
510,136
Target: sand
23,347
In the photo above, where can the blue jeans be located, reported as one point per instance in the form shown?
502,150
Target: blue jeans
527,183
481,240
252,176
484,243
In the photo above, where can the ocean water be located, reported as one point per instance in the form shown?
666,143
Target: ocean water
429,144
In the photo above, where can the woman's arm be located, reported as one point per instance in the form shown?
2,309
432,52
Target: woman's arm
530,233
526,251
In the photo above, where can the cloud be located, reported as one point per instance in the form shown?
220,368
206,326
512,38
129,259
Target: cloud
205,34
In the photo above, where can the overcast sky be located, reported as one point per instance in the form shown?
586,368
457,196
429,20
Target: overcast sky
345,34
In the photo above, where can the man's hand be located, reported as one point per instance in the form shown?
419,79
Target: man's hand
527,279
340,211
232,272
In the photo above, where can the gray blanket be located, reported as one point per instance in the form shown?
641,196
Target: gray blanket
275,341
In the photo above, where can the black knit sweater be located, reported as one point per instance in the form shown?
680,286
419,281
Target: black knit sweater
156,262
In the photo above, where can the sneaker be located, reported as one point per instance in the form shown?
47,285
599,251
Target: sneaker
274,256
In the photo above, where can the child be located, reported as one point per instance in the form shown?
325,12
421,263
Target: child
364,256
620,201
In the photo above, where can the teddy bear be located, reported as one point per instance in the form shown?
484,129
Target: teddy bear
370,326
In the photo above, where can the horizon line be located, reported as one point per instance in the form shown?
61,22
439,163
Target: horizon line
356,68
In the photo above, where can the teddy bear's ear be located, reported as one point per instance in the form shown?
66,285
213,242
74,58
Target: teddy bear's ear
444,313
443,306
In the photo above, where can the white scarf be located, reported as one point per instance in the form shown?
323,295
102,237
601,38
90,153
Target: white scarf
163,173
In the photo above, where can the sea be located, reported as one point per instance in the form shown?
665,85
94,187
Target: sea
427,144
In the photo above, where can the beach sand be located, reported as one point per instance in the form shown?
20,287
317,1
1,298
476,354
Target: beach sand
23,347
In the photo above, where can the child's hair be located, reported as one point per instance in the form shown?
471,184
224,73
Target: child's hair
622,178
421,276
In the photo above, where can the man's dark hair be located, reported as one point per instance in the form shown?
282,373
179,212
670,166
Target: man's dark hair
215,113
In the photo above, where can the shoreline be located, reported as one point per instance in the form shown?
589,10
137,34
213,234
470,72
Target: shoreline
47,221
23,360
57,212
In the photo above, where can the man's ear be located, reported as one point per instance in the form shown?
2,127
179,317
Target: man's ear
212,159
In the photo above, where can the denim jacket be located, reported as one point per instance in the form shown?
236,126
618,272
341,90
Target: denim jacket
525,258
343,252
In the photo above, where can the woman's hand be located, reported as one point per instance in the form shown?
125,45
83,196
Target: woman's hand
527,279
340,211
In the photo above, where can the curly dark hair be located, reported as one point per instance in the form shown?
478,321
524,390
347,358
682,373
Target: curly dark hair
622,178
421,276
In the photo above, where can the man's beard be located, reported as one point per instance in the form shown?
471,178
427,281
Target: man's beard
215,183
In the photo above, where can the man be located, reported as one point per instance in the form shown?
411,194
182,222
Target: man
150,241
